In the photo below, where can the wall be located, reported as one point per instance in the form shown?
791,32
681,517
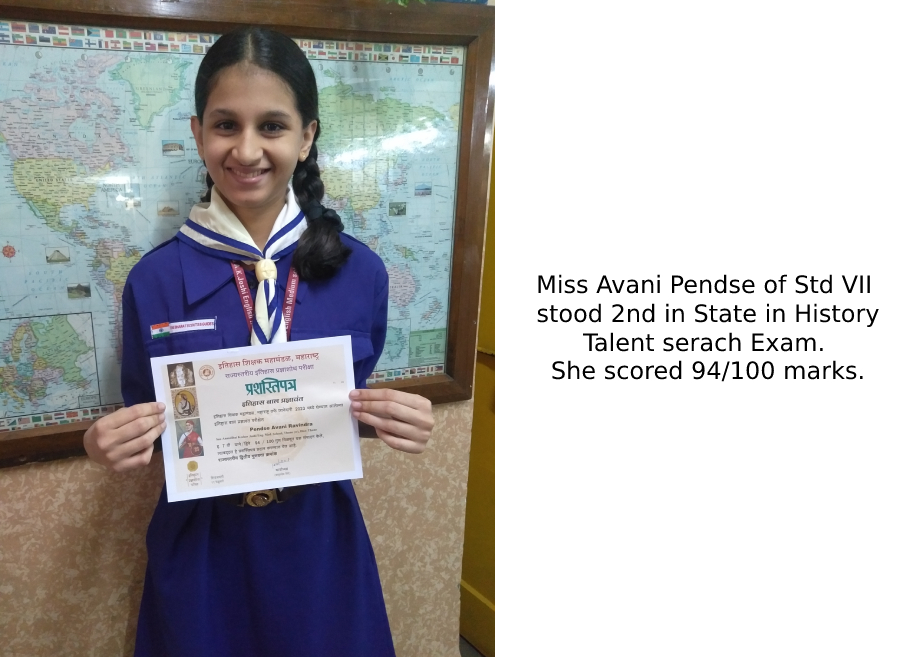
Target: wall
72,553
478,575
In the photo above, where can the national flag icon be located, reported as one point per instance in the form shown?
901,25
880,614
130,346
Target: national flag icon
134,34
33,28
185,47
4,38
433,59
151,47
404,58
425,60
387,48
158,36
48,29
175,47
449,51
159,330
312,54
172,36
436,51
148,36
72,414
317,44
198,49
19,27
455,60
59,414
378,47
414,59
44,39
322,53
163,47
206,38
4,26
92,43
63,30
18,38
408,49
396,48
193,38
97,32
76,43
350,46
119,34
30,40
78,31
138,45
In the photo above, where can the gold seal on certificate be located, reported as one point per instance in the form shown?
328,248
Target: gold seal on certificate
257,417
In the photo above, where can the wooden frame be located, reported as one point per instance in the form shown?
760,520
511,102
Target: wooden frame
469,25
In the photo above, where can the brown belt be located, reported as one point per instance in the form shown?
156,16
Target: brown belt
259,498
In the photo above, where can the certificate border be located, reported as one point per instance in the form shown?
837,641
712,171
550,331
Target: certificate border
168,439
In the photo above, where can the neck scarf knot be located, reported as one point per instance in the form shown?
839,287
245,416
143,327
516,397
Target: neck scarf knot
215,227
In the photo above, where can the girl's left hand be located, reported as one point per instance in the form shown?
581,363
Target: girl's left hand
402,420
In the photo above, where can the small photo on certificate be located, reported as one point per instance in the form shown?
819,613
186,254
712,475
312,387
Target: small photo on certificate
258,417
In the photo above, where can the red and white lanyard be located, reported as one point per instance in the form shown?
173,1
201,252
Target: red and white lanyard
247,301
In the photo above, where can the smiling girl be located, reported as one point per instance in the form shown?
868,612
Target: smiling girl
223,577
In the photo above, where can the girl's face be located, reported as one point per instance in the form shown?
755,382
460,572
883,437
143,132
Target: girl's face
251,137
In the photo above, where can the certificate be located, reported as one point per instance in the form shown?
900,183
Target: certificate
267,416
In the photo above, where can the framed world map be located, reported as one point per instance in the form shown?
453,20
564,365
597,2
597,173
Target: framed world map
99,166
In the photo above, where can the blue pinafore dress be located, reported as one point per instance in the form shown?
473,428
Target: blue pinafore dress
287,580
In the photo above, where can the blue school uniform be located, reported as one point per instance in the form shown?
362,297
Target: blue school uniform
291,579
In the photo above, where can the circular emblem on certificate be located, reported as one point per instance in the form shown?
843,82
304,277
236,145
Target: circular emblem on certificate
192,466
185,403
207,372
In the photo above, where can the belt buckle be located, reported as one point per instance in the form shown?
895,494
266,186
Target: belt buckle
259,498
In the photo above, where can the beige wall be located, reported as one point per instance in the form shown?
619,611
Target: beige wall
72,554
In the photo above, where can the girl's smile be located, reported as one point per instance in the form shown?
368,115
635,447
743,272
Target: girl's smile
251,137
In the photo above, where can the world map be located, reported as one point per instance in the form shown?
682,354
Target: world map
98,166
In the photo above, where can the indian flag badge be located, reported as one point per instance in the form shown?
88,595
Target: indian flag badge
159,330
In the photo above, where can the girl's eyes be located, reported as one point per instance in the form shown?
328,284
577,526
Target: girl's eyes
269,127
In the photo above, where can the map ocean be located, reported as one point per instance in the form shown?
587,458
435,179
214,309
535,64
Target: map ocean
98,166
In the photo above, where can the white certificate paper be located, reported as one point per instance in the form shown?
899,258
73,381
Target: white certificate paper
268,416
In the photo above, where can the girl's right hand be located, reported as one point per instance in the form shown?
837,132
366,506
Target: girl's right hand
124,440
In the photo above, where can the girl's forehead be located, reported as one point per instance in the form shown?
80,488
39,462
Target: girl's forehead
247,87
